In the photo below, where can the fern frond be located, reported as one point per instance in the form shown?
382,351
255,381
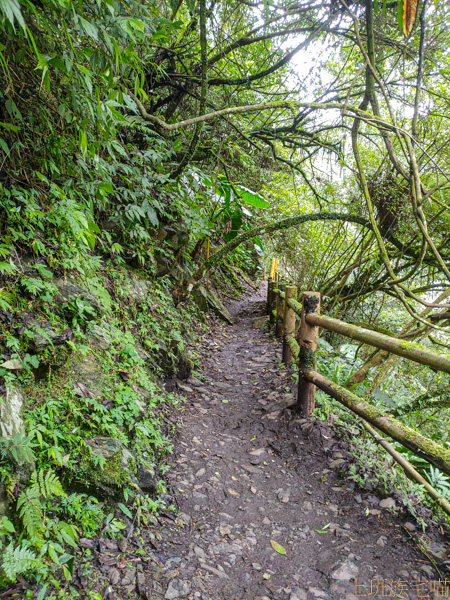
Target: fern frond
18,560
50,485
30,511
29,504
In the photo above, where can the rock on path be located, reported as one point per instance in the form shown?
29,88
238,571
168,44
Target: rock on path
245,474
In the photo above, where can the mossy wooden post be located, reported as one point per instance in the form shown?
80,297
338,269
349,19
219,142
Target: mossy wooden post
289,323
270,284
308,341
273,301
279,323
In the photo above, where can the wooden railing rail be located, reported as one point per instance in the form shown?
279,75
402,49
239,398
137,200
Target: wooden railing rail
439,361
410,350
408,437
301,347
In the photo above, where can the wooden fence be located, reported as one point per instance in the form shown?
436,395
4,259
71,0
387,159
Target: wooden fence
300,344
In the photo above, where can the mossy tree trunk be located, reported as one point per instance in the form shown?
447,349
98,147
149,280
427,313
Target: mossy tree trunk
290,317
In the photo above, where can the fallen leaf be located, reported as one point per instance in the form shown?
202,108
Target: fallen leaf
233,492
277,547
87,543
82,391
114,576
125,375
257,452
225,529
107,559
12,365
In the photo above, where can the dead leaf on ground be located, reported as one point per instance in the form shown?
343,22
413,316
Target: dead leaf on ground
12,365
82,391
114,576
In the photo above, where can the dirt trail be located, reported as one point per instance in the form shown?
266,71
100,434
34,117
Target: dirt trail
246,473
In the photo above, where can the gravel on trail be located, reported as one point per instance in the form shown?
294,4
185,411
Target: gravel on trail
264,511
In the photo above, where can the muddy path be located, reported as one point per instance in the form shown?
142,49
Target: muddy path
246,474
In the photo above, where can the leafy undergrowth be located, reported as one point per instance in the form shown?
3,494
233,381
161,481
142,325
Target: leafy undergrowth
100,386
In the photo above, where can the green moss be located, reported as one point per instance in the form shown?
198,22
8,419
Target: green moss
307,358
113,473
108,479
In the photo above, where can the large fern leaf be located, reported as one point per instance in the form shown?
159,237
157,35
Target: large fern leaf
43,485
16,561
29,507
50,485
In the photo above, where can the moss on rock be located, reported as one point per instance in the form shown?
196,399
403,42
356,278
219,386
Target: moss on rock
117,472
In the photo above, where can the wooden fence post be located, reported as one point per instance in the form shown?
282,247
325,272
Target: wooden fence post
273,301
289,323
269,294
308,341
279,323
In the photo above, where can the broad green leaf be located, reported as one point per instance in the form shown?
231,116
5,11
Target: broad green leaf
252,198
236,224
137,24
152,216
11,107
90,29
83,141
126,511
4,146
277,547
106,188
6,523
58,63
93,227
258,242
10,127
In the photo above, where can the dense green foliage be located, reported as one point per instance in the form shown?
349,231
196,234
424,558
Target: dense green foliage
134,135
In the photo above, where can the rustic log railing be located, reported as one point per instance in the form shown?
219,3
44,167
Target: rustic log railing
300,342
